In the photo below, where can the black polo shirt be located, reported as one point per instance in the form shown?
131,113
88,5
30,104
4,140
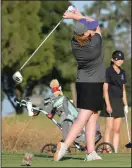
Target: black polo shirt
115,81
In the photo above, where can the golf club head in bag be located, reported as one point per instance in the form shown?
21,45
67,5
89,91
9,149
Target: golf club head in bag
17,77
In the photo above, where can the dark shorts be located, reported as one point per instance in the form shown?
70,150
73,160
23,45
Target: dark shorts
117,108
90,96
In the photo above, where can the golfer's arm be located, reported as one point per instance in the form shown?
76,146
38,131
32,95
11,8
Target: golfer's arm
78,16
106,95
124,95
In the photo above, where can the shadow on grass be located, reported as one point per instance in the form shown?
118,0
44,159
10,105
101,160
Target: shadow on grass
43,156
63,159
71,158
25,165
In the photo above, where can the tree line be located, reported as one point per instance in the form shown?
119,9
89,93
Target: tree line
26,23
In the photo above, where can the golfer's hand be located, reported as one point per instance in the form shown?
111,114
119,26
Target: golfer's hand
126,109
109,109
70,15
78,13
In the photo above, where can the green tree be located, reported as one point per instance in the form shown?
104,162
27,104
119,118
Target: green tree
21,35
22,25
25,24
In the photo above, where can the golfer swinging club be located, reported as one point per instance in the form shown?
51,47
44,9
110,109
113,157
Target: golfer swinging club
87,47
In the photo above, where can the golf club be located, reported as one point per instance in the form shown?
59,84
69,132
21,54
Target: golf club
129,145
17,76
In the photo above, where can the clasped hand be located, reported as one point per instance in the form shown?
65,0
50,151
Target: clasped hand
71,15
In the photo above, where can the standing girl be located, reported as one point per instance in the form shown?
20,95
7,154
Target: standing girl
115,99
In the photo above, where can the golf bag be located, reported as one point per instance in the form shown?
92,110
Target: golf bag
67,113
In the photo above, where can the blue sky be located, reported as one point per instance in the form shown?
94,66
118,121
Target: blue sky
6,107
80,4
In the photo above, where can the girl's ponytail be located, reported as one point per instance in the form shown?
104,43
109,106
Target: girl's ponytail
111,63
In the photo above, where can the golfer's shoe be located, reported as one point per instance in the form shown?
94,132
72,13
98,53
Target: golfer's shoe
61,150
92,156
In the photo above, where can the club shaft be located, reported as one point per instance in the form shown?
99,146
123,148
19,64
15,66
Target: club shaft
127,127
41,44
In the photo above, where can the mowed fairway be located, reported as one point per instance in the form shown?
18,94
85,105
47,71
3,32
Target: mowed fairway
43,160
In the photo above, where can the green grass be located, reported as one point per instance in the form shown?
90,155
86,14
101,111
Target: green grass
43,160
42,123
